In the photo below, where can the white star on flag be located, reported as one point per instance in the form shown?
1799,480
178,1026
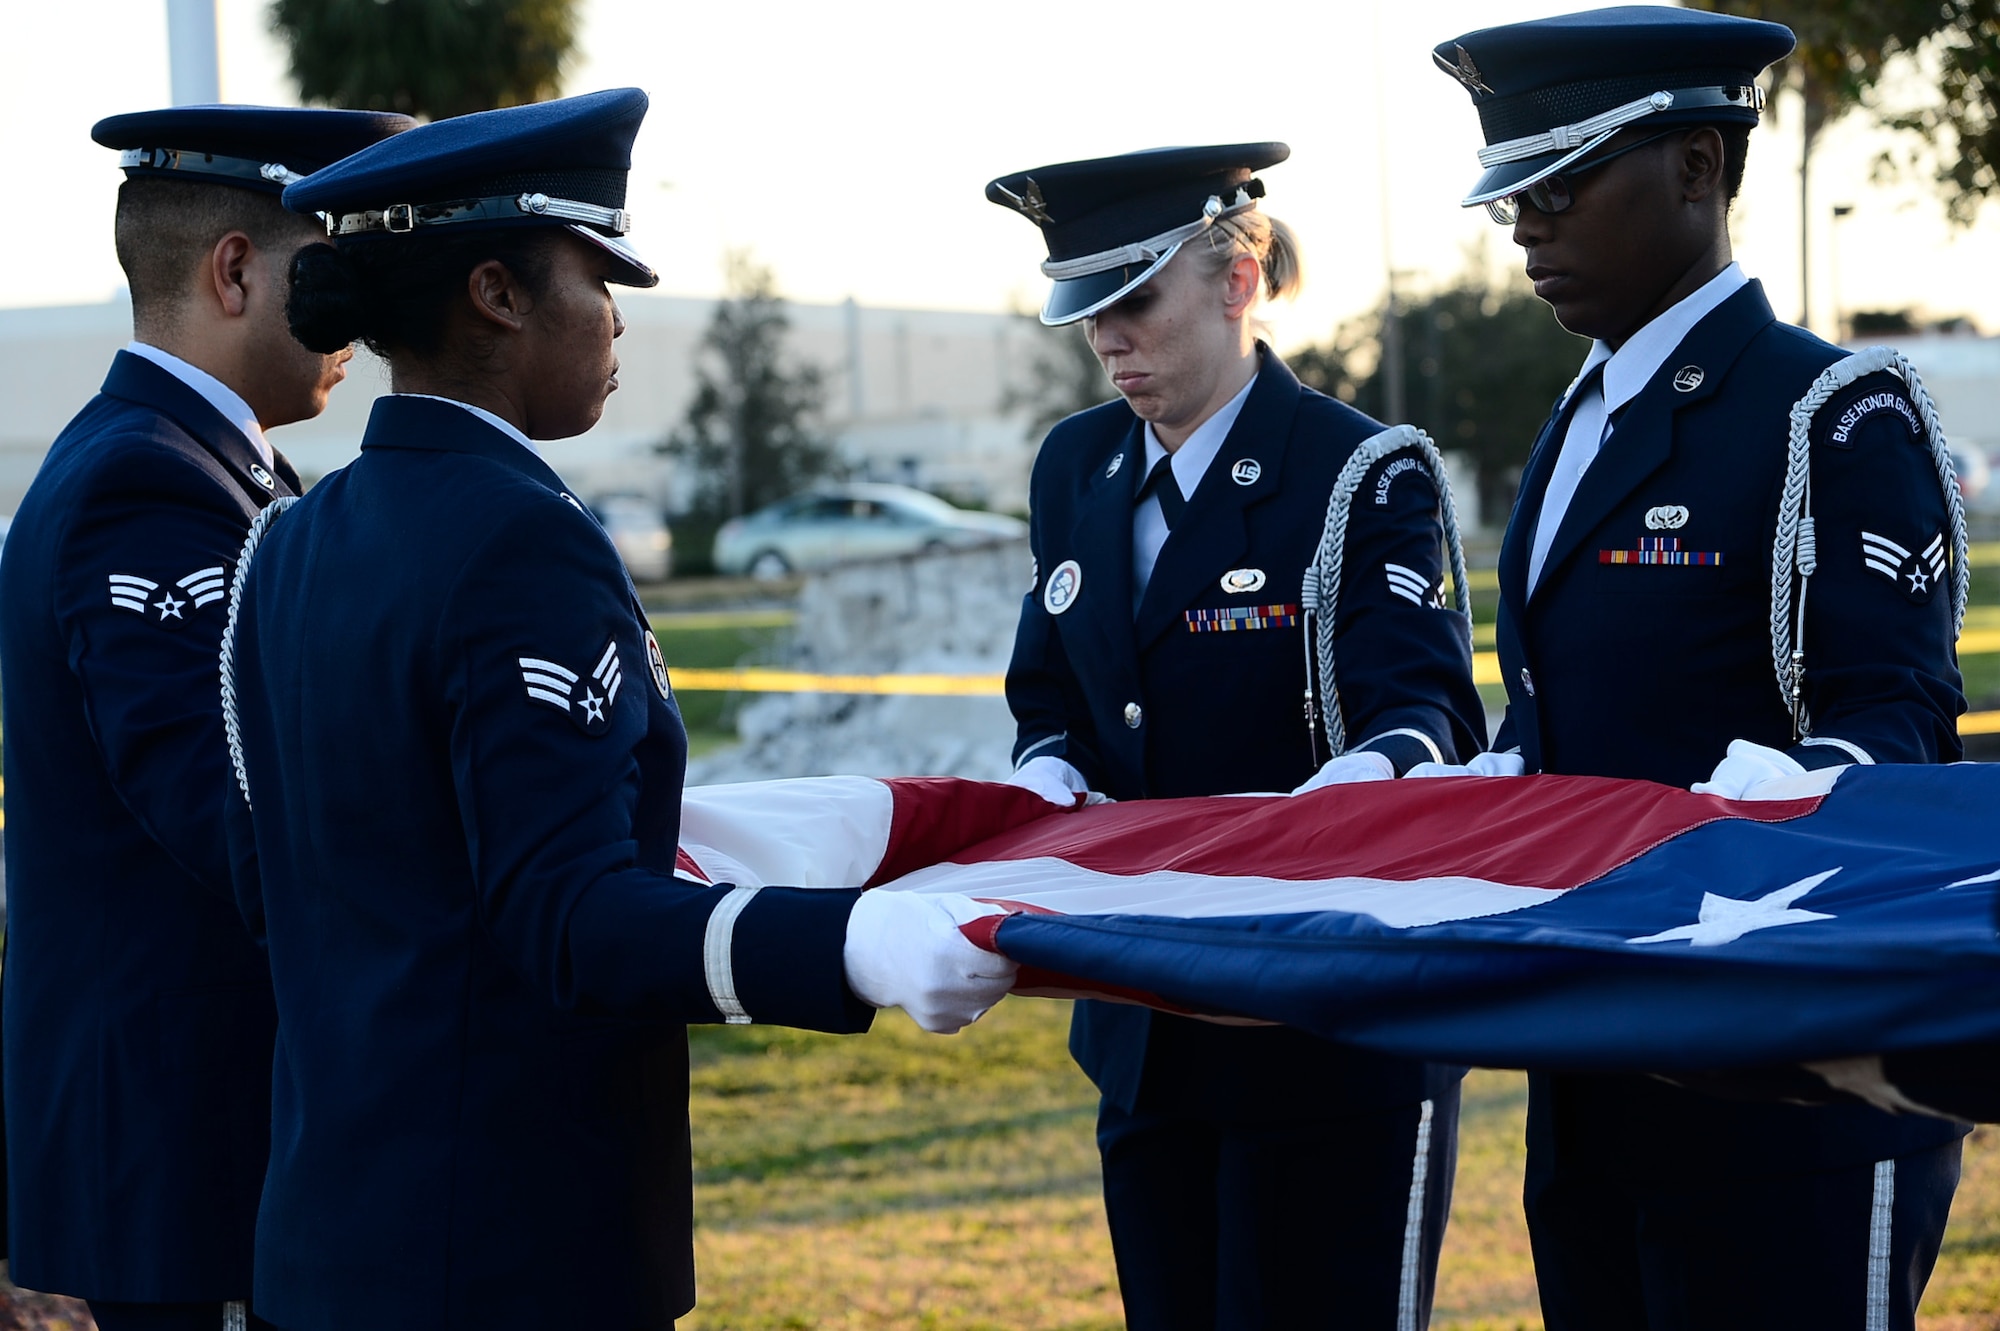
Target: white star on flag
1726,919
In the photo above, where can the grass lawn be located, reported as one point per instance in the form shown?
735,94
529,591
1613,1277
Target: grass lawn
897,1180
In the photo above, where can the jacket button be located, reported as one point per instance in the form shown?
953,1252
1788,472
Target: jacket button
1527,681
1133,716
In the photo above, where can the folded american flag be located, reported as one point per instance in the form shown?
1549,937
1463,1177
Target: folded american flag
1554,922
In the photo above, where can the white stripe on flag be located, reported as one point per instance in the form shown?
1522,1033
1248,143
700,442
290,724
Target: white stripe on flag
1069,889
815,831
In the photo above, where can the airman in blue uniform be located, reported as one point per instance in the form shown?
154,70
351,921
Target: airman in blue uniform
1650,626
458,773
138,1010
1253,1177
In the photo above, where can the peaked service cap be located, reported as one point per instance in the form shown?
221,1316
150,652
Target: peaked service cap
560,163
252,147
1113,222
1551,90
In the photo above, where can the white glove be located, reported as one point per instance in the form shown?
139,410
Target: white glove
904,950
1746,767
1056,781
1484,764
1361,765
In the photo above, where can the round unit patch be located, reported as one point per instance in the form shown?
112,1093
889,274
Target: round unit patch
658,661
1246,471
1065,585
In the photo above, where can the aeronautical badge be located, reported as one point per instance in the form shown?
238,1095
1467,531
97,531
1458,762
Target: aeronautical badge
1065,585
1916,575
262,477
1413,586
170,605
586,701
1667,517
658,661
1246,471
1241,581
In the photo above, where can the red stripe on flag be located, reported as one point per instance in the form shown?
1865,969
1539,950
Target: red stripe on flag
936,817
1539,831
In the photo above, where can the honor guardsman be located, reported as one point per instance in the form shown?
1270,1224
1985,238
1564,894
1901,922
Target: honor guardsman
1735,556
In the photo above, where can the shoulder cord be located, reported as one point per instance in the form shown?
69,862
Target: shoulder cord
1794,553
231,727
1320,598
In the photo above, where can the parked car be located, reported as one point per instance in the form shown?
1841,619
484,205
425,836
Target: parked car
847,522
640,535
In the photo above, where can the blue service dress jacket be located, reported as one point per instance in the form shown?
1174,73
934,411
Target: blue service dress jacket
464,766
1202,692
1621,665
138,1015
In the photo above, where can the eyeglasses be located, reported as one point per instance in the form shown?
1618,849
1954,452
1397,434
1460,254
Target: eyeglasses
1554,194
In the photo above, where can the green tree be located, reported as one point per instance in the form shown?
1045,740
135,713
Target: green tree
1063,377
1846,45
427,58
1481,368
751,435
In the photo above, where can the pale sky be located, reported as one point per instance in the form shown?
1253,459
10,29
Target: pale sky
847,145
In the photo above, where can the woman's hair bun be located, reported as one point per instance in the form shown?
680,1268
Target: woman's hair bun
328,307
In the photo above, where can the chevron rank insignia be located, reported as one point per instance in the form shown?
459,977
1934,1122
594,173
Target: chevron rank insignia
172,604
586,700
1413,586
1916,575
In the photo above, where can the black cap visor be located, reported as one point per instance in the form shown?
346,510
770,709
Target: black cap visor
633,270
1077,298
1512,177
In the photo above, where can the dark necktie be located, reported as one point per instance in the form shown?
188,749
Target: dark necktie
1160,480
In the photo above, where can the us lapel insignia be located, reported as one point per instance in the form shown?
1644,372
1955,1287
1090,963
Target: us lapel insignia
262,477
1117,461
1065,585
1238,581
657,659
1666,517
1246,471
1688,378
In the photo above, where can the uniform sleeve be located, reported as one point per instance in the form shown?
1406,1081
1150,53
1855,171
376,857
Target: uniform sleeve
1881,672
551,698
141,595
1402,662
1051,715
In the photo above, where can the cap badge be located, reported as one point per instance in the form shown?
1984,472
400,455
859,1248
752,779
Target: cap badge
1466,72
1029,202
1117,461
1064,586
1688,378
262,477
1667,517
1241,580
1246,471
658,661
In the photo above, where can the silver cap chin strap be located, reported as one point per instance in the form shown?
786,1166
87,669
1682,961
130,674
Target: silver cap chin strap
206,164
1150,249
400,218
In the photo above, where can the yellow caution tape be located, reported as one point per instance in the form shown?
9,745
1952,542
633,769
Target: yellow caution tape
754,680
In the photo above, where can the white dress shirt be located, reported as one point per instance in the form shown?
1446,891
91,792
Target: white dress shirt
1191,460
504,427
217,394
1626,372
